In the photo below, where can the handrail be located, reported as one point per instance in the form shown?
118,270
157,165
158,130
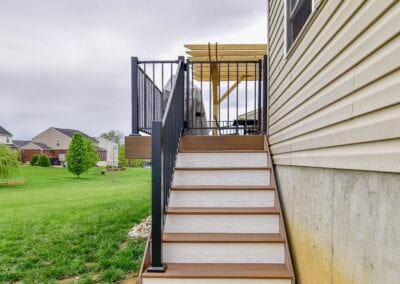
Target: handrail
165,142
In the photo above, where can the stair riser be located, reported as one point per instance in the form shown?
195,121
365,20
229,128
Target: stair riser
229,223
214,281
222,177
218,160
224,253
222,198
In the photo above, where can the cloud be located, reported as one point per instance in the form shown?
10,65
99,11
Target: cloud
67,63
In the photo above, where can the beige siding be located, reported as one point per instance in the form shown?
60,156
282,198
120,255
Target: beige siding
50,137
334,99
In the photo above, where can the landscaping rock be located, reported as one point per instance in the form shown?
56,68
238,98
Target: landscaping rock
142,230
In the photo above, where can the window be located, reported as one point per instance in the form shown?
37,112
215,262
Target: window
58,142
297,13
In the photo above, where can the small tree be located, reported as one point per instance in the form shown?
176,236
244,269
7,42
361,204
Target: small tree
122,161
77,155
91,154
43,161
8,161
34,159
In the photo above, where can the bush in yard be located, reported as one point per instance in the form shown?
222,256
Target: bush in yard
34,159
8,161
43,161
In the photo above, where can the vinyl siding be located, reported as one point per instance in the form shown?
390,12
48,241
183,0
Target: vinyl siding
334,98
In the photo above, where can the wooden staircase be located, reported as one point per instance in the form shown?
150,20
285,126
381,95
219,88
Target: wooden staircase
224,221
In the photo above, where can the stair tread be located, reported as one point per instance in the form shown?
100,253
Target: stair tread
222,210
224,270
222,151
211,168
221,238
222,187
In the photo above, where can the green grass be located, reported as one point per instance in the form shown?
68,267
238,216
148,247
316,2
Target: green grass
54,225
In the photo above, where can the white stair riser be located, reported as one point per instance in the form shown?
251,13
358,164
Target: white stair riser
213,281
222,177
216,160
224,253
224,223
222,198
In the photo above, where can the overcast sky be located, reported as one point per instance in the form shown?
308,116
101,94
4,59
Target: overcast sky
67,63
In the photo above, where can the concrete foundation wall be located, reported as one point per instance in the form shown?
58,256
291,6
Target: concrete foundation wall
343,225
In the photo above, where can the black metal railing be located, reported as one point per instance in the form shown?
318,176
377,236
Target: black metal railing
149,81
165,143
225,98
171,98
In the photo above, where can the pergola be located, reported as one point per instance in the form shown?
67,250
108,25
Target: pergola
225,62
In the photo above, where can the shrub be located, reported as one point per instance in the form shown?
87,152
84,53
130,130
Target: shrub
43,161
8,161
34,160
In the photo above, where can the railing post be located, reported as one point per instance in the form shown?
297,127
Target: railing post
135,96
265,95
260,99
187,82
181,78
156,264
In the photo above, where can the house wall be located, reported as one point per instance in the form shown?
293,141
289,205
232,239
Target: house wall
108,145
50,137
26,154
333,100
343,225
6,139
334,108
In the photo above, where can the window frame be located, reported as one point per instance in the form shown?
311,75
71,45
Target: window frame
288,16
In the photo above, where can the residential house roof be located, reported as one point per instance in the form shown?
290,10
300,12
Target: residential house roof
21,143
70,132
3,131
42,146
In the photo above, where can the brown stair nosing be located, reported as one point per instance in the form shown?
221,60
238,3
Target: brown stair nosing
222,151
222,238
222,210
241,168
221,187
223,270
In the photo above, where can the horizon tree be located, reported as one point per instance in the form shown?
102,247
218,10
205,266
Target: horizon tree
114,136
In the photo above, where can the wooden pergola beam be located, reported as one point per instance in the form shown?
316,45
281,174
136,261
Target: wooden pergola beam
251,46
202,53
225,58
230,90
225,78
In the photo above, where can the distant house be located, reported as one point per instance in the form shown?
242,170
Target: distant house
5,136
28,148
112,151
54,142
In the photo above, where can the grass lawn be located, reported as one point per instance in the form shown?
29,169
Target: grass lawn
55,226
